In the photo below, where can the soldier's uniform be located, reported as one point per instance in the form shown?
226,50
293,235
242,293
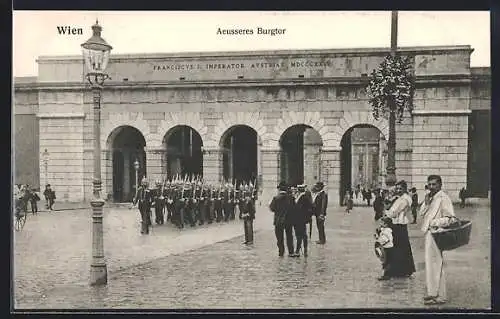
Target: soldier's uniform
218,205
144,200
301,217
189,206
159,201
228,203
179,203
169,203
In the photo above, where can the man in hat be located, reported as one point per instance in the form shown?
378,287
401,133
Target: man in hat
282,205
50,196
247,206
144,200
301,217
320,204
218,204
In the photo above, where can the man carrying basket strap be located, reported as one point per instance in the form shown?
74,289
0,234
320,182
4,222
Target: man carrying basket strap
436,205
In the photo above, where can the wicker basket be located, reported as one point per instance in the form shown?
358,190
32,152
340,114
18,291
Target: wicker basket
454,237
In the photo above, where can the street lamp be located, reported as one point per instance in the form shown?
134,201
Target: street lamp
45,158
136,166
96,55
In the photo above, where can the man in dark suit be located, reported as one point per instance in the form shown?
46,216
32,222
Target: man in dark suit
144,199
320,204
282,205
301,217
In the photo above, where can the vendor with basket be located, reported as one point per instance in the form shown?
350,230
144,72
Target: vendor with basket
438,214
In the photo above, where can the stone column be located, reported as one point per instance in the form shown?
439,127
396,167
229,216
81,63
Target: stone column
330,175
312,145
259,166
212,165
270,174
154,164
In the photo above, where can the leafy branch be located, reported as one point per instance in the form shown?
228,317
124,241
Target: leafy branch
391,87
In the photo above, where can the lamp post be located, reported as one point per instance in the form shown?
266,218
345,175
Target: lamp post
96,55
45,157
136,166
390,179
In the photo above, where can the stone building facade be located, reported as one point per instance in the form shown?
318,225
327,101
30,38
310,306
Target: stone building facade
307,100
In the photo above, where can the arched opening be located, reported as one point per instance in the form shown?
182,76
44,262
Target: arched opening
300,155
240,152
362,159
127,145
184,155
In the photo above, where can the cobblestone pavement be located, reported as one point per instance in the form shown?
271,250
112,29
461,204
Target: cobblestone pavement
54,248
341,274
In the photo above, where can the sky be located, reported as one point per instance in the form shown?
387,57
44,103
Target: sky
35,33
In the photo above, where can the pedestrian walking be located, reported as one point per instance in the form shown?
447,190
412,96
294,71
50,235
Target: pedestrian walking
320,204
282,206
437,204
302,215
348,202
401,262
34,199
50,196
463,196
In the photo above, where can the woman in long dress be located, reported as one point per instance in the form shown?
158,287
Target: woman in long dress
400,261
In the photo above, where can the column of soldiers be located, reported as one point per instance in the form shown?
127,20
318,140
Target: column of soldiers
182,202
293,209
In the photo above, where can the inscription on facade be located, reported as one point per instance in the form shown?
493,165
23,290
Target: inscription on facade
257,65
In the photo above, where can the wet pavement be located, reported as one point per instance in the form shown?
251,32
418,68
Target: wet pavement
226,274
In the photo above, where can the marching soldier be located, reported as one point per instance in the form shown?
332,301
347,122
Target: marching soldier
302,216
199,204
159,202
218,205
144,200
228,202
248,214
207,204
282,206
169,203
179,203
320,203
189,205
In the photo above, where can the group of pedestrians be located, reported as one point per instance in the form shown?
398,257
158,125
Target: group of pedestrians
26,196
393,241
293,209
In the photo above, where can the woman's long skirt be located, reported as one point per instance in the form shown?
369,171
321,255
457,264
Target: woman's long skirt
400,260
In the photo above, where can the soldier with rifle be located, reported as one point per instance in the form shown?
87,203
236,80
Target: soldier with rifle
169,203
144,200
190,204
228,202
320,203
302,215
218,204
159,203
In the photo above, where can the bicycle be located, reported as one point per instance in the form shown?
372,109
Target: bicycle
20,218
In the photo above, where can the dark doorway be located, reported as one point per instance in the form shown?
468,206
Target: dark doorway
184,153
128,146
300,155
479,153
239,145
360,159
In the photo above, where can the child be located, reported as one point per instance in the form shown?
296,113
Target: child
348,202
384,241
